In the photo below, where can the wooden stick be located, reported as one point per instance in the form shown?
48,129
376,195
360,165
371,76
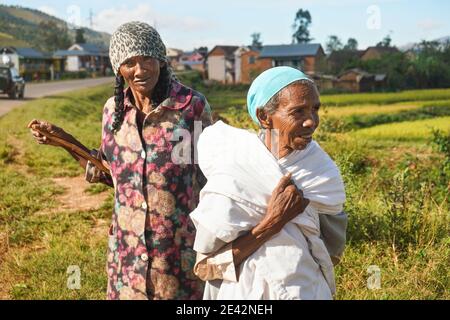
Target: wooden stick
76,149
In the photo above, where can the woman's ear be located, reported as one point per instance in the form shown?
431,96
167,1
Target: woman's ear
264,119
162,64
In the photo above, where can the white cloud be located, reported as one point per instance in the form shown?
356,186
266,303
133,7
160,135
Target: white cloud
429,25
306,3
109,19
48,10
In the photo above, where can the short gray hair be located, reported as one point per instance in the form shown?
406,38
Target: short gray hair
272,105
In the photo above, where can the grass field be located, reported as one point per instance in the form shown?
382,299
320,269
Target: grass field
416,130
396,174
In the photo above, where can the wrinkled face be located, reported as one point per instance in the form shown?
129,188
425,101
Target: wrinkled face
296,118
141,73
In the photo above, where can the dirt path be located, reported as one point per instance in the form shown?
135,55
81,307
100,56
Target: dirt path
75,198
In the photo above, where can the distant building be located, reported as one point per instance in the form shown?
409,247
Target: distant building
372,53
337,60
221,64
252,65
84,57
237,62
251,61
325,82
192,60
308,57
173,55
357,80
31,63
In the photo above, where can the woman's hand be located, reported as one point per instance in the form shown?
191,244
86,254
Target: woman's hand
38,126
46,127
285,204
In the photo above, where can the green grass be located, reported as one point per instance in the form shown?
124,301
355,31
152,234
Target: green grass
26,191
79,113
417,130
237,97
376,109
385,98
40,270
351,118
417,273
396,183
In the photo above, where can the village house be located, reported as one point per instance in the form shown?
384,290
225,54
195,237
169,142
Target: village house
221,64
377,52
84,57
325,82
356,80
308,57
338,59
193,60
250,61
174,55
251,65
31,63
237,62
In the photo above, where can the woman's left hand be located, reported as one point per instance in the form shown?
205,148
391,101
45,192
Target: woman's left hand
285,204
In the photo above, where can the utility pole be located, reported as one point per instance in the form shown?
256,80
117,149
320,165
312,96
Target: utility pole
91,18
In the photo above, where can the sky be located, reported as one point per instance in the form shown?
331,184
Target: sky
191,24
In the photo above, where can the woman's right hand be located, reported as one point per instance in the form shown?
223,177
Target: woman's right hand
285,204
46,127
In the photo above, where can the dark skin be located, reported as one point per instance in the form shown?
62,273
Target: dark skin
296,118
141,74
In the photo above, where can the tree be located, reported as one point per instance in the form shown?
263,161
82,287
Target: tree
79,37
203,51
53,37
352,44
386,42
333,44
301,27
256,40
431,66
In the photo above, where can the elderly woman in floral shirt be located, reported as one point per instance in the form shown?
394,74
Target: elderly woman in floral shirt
150,252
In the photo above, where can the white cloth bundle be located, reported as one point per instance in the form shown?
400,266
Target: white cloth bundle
294,264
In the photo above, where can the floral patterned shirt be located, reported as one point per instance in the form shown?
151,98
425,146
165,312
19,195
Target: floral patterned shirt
150,253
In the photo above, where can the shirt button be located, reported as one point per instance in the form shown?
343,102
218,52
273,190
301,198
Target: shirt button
144,205
144,257
143,154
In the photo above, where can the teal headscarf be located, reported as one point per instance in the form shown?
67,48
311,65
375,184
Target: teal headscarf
267,84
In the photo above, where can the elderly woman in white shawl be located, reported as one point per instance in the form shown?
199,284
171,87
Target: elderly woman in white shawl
269,222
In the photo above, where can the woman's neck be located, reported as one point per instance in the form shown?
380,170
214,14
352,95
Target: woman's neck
143,101
272,142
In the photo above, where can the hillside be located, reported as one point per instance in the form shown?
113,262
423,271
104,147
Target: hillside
20,27
9,40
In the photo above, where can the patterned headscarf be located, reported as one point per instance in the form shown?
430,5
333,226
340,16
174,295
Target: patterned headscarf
135,39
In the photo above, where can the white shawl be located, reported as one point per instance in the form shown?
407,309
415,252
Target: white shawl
294,264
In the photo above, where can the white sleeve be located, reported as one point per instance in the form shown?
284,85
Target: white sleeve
222,218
